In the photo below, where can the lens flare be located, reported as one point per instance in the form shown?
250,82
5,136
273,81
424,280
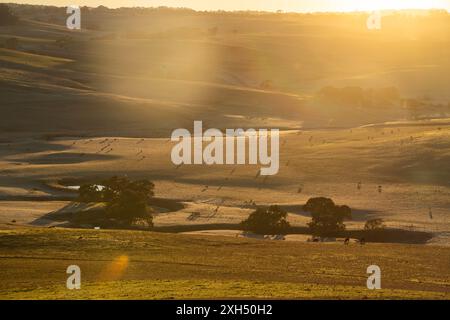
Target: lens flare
115,269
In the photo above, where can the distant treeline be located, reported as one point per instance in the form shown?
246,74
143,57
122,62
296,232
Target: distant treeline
28,9
382,97
6,16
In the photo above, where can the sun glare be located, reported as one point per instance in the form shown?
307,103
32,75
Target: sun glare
356,5
264,5
115,269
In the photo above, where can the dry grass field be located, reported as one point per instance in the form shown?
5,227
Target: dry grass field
81,106
146,265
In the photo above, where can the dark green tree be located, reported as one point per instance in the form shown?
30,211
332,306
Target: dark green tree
327,218
271,220
126,201
90,193
129,207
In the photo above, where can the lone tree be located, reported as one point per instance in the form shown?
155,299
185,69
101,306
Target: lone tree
271,220
126,200
327,218
6,16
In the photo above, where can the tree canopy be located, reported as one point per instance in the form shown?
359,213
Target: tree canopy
271,220
126,200
374,224
327,217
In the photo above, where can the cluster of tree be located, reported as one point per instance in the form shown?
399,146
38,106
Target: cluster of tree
432,19
271,220
425,108
266,85
356,96
6,16
327,217
374,224
126,201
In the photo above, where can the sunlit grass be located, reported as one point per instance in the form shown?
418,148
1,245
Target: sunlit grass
214,289
147,265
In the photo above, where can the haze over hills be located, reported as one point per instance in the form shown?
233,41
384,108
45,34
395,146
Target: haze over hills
165,67
261,5
364,119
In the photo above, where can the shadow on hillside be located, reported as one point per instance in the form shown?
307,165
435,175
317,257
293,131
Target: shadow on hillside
11,149
357,214
78,214
67,158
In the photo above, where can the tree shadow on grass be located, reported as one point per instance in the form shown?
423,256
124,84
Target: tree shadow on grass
357,214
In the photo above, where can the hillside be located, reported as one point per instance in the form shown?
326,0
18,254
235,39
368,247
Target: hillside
259,67
363,117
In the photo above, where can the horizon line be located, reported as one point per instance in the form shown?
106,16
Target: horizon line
241,10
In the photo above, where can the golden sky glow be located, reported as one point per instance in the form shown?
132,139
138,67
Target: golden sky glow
263,5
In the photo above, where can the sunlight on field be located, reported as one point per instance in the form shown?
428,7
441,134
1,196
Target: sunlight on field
364,122
195,266
115,270
214,289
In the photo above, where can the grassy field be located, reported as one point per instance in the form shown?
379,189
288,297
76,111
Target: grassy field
414,175
146,265
86,105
